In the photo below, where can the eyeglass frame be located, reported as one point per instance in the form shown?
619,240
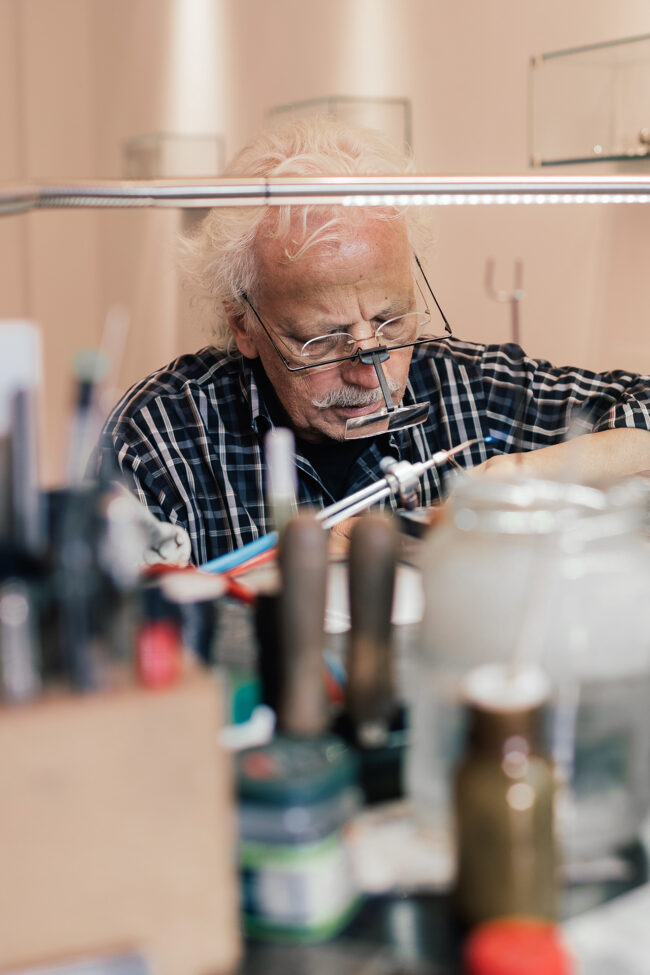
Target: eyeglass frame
358,351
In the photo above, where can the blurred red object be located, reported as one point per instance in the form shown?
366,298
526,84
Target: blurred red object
516,946
159,654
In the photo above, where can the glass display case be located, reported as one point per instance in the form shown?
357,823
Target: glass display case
591,104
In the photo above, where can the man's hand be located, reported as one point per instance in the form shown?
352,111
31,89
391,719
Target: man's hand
339,540
591,457
161,541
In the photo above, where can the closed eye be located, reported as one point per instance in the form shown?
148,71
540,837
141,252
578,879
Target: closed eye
326,330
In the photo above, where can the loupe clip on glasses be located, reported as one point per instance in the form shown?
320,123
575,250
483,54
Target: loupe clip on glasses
390,417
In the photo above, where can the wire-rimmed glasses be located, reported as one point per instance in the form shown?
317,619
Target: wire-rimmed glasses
325,351
337,346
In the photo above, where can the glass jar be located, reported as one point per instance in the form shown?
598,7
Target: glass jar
557,575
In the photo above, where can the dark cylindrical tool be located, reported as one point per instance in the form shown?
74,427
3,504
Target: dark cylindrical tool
302,708
370,693
373,720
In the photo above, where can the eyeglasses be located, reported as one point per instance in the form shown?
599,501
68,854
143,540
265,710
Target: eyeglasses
325,351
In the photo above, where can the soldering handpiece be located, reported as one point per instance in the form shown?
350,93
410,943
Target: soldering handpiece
401,478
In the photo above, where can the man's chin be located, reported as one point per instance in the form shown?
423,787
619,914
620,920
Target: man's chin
325,428
329,431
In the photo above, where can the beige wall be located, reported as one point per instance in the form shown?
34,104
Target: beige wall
79,77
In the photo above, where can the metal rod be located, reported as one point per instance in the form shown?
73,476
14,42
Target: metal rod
382,490
346,190
366,492
376,360
442,456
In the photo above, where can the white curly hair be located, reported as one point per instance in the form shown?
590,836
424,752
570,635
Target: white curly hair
219,257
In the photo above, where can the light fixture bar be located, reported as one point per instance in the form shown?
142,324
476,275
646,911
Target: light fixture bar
348,191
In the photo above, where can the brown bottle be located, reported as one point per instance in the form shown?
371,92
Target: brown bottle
504,800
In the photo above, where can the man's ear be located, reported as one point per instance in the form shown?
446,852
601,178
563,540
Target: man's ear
244,340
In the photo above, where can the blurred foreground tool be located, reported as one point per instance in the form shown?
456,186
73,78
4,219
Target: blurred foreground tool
302,706
373,720
370,692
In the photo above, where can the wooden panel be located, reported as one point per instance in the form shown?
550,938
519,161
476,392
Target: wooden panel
116,829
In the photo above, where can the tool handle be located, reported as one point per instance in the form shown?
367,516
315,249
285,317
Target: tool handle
370,691
302,707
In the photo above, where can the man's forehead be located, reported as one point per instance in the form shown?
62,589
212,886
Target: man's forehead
338,251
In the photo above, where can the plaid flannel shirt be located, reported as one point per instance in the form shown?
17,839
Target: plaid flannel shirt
189,438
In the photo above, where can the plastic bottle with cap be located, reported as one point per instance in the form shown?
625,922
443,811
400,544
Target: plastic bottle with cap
504,790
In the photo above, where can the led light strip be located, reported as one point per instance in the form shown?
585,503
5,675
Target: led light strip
491,199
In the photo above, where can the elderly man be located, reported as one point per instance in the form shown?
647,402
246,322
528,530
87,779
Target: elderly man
302,296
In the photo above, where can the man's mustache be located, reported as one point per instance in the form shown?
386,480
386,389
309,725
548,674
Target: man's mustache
354,396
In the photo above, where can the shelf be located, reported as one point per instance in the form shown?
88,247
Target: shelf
591,104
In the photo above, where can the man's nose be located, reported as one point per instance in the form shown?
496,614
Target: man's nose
361,373
365,338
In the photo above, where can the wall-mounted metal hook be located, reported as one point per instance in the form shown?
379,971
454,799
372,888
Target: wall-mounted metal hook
512,297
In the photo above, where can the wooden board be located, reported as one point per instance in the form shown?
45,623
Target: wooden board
117,829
